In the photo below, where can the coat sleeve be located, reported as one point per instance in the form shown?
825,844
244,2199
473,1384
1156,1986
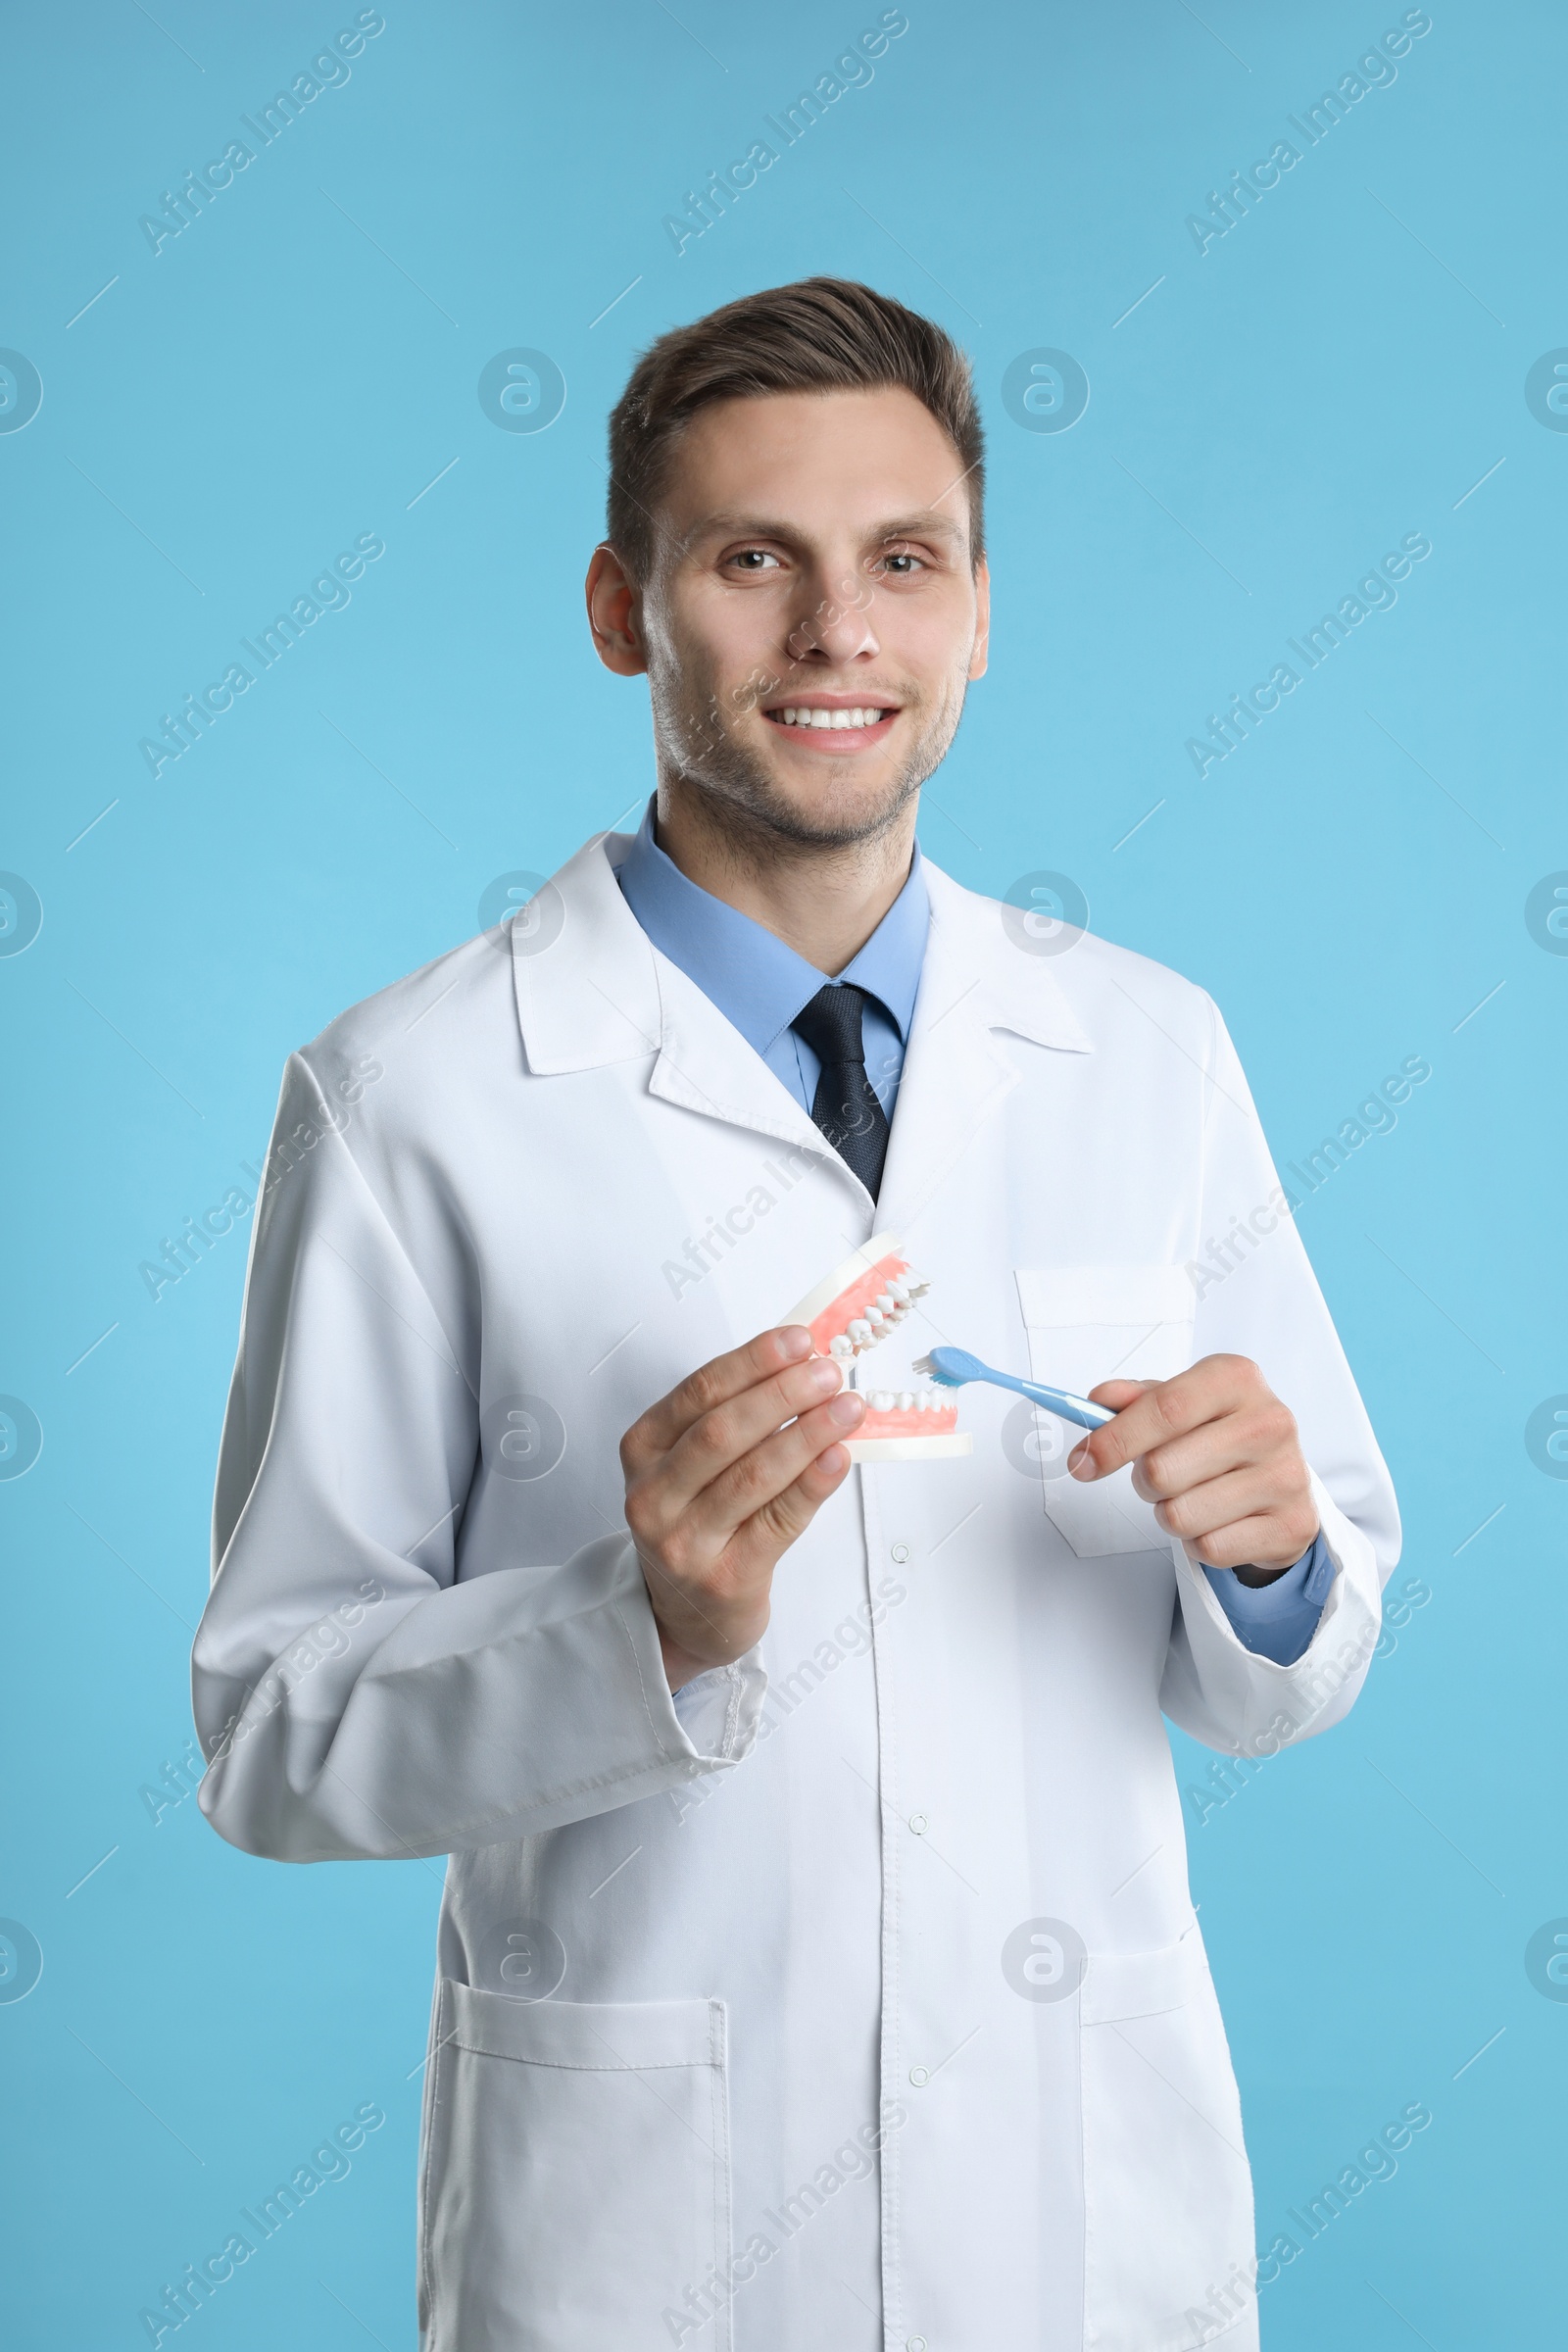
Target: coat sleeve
1256,1296
353,1696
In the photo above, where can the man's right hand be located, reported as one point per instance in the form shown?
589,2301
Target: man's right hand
717,1488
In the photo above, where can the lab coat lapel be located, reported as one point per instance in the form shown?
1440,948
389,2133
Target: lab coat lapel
592,989
704,1064
976,980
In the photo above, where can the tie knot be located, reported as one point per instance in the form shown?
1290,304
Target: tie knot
831,1024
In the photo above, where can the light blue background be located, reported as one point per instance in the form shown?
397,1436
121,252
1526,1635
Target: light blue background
287,374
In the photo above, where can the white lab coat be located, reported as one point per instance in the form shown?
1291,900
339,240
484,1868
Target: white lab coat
856,2001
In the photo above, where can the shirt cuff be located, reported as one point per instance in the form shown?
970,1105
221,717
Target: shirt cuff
719,1711
1277,1621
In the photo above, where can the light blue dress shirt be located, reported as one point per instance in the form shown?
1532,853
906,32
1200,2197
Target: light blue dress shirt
760,984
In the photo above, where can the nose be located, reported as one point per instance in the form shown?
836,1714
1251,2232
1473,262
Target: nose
836,625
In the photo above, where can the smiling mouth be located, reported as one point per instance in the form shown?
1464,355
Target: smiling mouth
860,718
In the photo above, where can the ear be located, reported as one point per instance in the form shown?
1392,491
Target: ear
980,656
613,613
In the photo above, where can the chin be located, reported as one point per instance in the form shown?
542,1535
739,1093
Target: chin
839,809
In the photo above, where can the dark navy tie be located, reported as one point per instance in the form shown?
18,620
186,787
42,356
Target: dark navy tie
845,1107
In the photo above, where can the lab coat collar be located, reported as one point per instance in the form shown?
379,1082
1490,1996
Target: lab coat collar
582,970
591,991
976,980
971,944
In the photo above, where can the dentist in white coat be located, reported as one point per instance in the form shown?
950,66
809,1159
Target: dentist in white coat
816,1967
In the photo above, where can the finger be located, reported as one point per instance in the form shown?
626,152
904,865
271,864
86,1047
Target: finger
714,1383
1255,1543
664,1478
728,1433
1167,1408
779,1522
1256,1435
1220,1501
713,1572
762,1474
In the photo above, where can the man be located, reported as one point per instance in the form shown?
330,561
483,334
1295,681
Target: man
818,1966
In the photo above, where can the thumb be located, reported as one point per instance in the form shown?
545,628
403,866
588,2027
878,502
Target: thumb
1119,1394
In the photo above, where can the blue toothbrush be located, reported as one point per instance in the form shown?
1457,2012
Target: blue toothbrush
953,1367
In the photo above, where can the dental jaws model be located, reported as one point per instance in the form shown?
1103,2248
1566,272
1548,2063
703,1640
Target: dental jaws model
859,1307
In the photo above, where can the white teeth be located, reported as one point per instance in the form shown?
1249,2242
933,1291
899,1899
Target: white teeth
905,1400
797,716
886,1302
841,1345
859,1332
899,1292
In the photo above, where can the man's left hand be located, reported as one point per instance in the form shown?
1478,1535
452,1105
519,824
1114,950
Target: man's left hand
1217,1455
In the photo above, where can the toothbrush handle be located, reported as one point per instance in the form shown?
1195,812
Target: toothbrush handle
1065,1405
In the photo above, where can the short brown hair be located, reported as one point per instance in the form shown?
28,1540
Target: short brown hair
823,334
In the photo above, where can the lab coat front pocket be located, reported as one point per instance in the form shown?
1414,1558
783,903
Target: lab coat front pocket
1167,2191
1086,1324
575,2173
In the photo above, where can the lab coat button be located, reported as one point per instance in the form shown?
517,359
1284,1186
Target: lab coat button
916,2343
918,1824
920,2077
900,1552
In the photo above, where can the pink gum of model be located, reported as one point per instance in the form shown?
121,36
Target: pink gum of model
848,1295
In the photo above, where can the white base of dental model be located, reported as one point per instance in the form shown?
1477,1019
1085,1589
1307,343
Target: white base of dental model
852,1312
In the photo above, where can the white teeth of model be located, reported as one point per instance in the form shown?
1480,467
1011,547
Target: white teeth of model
899,1292
882,1401
859,1332
874,1316
886,1302
906,1401
841,1345
922,1401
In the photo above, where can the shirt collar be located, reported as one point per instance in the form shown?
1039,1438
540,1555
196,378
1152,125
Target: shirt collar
758,982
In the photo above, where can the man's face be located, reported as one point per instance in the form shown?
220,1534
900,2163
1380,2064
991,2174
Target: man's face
813,614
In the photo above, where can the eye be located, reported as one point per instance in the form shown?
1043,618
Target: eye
902,564
753,560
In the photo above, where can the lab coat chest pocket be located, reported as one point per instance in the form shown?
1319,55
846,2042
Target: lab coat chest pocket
577,2172
1087,1323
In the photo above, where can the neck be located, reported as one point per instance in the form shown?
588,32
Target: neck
823,901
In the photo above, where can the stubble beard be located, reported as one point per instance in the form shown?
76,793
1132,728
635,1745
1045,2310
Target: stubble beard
699,746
